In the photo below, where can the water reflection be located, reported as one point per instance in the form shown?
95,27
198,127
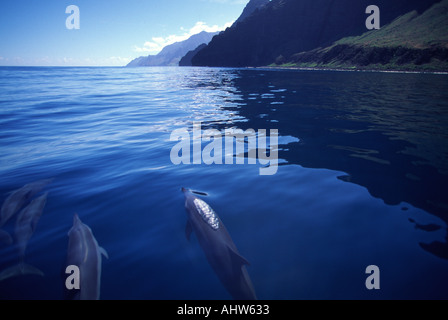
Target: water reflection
388,132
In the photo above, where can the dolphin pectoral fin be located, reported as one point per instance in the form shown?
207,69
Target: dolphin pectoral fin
237,258
103,252
188,230
20,270
5,238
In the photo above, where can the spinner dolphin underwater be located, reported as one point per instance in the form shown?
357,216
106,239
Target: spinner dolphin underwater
218,246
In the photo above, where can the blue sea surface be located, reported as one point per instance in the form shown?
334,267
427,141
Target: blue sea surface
362,179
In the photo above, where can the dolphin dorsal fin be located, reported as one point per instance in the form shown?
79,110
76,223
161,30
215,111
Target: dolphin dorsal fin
188,230
103,252
237,258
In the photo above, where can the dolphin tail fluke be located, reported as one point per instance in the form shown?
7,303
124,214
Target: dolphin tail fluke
246,289
5,238
21,269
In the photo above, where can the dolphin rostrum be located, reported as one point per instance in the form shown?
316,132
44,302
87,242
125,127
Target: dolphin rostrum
218,246
24,229
15,201
85,253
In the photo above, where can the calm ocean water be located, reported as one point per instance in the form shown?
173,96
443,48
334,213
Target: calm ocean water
363,179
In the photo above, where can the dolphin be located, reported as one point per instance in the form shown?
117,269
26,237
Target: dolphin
218,246
25,226
85,253
15,201
27,221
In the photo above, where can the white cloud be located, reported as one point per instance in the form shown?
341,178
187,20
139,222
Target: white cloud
158,43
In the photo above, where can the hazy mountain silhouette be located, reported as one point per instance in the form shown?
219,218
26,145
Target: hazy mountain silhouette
171,54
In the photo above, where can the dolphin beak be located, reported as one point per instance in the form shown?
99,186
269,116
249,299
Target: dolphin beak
184,190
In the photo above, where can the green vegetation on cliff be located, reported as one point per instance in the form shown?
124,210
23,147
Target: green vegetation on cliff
415,42
282,28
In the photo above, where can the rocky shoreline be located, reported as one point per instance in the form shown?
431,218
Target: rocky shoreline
353,57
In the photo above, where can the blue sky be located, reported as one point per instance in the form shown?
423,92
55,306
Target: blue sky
112,32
